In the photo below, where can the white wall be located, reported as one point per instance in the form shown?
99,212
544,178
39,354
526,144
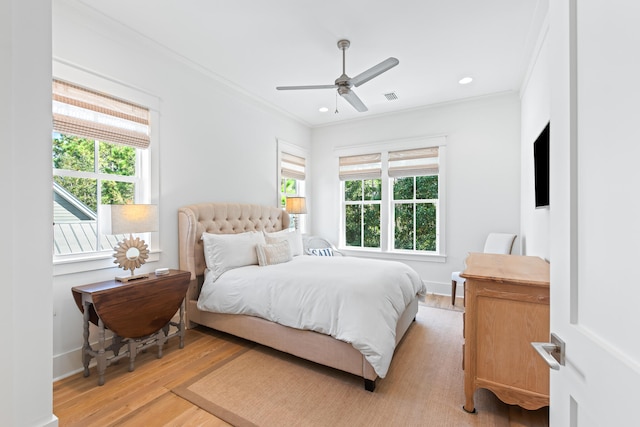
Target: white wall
25,185
214,144
482,172
535,107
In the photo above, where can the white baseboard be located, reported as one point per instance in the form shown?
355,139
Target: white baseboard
52,422
67,364
440,288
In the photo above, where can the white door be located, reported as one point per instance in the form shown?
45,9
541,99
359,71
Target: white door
595,211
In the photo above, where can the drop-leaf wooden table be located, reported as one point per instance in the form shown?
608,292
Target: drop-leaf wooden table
138,313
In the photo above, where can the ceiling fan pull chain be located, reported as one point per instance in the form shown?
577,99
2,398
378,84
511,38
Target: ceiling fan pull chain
336,112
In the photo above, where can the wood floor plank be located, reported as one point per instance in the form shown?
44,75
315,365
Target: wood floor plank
144,397
80,401
196,417
168,407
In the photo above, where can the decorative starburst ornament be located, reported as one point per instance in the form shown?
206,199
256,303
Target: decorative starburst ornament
131,254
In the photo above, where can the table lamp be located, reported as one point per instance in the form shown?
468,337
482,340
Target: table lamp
296,206
128,219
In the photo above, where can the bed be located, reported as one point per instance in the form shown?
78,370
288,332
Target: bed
214,220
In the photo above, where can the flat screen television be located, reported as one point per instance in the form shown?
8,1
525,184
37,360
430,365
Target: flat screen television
541,168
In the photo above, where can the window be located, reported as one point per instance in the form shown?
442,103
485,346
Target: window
362,196
292,174
392,199
100,156
414,184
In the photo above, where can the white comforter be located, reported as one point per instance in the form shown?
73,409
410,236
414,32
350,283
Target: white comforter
352,299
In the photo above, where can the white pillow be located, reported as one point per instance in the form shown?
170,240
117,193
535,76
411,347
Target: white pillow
224,252
275,253
293,237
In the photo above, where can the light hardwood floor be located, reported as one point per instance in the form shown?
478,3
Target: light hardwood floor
144,397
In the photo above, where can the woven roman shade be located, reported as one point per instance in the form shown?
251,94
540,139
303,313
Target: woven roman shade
416,162
364,166
292,166
82,112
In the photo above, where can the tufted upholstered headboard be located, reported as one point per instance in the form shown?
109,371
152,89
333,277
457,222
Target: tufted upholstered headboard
221,218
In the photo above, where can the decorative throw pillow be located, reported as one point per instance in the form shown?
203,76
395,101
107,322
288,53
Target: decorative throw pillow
293,237
320,252
275,253
224,252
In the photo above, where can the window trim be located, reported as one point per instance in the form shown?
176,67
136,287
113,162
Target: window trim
386,250
149,165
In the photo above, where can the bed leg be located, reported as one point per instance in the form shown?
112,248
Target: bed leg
369,385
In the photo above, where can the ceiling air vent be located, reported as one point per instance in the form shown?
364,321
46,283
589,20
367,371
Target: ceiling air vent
391,96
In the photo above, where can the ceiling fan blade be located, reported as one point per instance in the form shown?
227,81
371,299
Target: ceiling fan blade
374,71
353,99
306,87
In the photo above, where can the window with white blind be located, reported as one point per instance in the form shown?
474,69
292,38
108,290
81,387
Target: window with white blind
415,199
362,198
100,156
392,199
292,176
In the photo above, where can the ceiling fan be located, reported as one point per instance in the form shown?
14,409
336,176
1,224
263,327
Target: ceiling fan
344,83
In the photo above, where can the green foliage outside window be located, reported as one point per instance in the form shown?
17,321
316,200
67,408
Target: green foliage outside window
353,230
415,220
371,214
426,227
79,154
362,220
353,191
288,187
427,187
403,230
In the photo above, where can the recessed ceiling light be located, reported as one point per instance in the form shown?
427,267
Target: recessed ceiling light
465,80
323,109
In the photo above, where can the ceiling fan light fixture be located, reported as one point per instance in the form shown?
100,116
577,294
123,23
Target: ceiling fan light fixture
465,80
323,109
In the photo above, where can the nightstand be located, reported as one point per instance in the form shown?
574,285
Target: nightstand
138,313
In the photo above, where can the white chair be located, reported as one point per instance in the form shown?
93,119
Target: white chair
496,243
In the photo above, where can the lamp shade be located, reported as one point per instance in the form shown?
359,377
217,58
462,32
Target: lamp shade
296,205
128,219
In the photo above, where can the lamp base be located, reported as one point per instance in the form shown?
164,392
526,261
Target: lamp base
125,279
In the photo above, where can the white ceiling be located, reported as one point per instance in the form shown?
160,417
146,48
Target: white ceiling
256,45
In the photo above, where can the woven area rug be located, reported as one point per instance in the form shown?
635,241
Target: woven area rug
424,386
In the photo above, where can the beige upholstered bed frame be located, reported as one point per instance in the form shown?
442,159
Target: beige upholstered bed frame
227,218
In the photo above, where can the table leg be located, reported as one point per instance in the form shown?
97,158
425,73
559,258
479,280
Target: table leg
161,338
181,324
86,357
133,352
102,356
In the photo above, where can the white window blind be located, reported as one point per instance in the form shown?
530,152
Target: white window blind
415,162
364,166
292,166
82,112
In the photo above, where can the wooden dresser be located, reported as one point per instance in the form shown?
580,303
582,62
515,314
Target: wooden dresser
506,308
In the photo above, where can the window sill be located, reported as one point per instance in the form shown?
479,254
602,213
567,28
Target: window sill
80,264
397,255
